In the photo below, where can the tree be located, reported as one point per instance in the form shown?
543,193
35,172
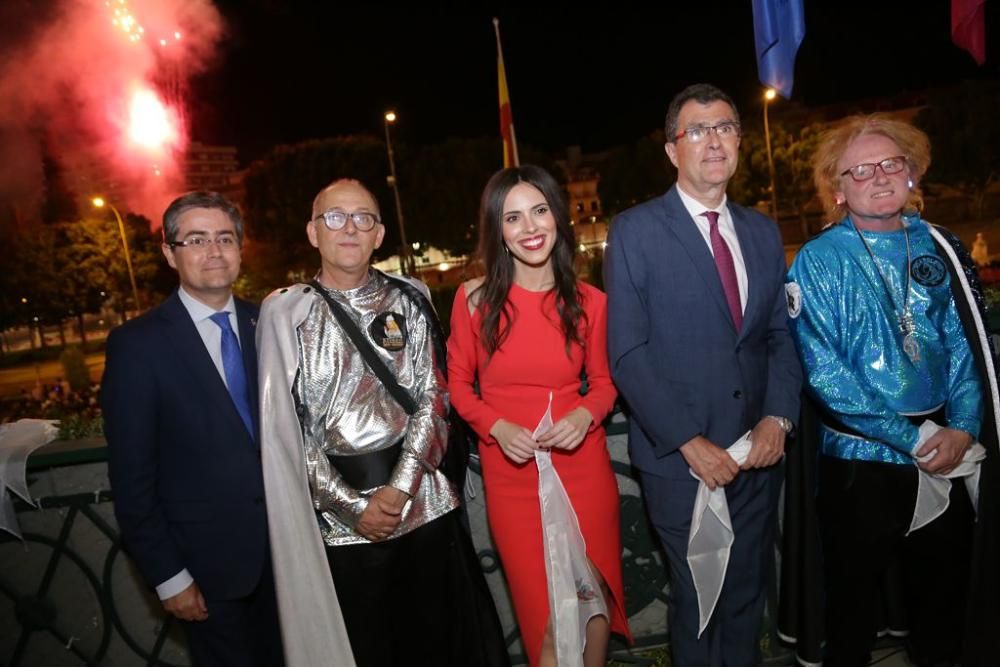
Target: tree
751,184
440,186
965,138
90,264
81,276
792,149
280,188
59,203
71,268
635,172
793,157
31,277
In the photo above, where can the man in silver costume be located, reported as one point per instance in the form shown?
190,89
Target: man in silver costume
341,452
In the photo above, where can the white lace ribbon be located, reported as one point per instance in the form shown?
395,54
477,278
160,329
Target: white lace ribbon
934,490
711,538
574,592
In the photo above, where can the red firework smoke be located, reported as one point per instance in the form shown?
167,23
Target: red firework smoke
101,84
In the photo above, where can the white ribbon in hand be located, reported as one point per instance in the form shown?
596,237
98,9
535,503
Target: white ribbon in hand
934,490
711,538
574,592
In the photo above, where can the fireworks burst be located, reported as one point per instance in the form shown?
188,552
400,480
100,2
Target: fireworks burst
105,82
149,122
124,20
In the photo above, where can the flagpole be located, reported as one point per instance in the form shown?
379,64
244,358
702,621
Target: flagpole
504,92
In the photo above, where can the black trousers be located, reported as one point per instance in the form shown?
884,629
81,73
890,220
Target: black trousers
870,562
395,596
239,633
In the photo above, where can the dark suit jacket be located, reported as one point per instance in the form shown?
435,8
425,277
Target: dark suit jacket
675,353
186,474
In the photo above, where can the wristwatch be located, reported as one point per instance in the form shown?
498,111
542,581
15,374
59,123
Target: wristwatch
784,422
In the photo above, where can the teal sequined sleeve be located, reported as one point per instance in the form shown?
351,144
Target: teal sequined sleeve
844,305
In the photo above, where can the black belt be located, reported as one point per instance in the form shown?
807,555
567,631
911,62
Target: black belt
938,416
366,471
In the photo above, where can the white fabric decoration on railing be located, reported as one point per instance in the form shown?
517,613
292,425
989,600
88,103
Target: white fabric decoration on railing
17,441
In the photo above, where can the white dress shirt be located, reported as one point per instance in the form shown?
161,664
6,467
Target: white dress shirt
211,336
728,231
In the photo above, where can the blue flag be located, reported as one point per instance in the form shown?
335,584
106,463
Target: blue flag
778,28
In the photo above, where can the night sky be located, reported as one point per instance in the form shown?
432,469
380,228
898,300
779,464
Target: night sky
289,71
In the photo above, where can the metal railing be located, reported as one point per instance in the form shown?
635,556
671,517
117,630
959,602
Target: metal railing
43,623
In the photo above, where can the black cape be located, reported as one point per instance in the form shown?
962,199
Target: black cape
800,608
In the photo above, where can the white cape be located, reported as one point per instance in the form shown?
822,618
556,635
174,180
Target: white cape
312,626
17,442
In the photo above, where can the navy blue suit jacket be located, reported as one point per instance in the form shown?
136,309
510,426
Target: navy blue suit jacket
186,474
675,354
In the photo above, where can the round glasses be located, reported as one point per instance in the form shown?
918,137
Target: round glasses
335,219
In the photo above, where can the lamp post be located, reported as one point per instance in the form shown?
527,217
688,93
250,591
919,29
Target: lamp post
769,96
98,202
405,262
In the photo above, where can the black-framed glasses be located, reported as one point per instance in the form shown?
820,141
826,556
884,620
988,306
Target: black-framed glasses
866,171
727,129
335,219
226,241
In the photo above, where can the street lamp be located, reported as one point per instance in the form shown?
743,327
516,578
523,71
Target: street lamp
98,202
405,262
769,96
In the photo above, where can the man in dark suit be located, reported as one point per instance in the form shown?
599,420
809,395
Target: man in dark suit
179,396
700,349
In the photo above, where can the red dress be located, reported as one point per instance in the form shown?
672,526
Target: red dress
515,385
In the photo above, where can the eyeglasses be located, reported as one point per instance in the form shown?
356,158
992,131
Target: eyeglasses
225,242
866,171
335,219
727,129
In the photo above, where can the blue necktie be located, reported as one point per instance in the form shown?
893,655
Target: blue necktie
236,375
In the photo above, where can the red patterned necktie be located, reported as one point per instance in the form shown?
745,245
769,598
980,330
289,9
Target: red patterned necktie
726,268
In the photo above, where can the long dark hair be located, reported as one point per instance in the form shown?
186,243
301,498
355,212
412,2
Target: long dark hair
497,311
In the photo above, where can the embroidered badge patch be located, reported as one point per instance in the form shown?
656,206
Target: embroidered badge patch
388,330
793,295
928,270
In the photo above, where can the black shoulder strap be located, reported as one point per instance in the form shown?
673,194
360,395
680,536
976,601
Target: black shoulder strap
367,352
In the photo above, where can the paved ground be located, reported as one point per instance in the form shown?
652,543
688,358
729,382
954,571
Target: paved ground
658,656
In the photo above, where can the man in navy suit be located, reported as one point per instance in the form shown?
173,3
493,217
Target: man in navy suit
179,396
700,350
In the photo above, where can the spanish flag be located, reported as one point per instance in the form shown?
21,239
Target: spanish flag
506,118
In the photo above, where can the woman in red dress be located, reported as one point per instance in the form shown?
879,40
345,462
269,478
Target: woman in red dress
526,329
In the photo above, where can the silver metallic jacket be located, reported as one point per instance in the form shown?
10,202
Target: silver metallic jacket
344,409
